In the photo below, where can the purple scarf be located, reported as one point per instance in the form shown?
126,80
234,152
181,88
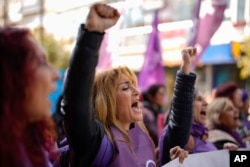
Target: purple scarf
234,134
199,131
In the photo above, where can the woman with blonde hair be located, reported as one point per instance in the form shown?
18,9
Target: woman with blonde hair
103,115
223,120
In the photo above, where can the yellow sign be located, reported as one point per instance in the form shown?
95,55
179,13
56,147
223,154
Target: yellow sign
241,53
236,49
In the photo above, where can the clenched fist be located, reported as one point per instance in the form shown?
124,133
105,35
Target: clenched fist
101,17
187,55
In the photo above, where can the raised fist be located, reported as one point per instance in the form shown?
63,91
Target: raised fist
101,17
187,55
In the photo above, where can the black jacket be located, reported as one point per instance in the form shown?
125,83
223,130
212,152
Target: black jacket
84,133
177,131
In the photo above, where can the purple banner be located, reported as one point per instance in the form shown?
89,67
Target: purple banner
211,15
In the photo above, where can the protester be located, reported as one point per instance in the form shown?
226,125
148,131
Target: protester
27,131
198,140
239,99
223,120
103,116
153,105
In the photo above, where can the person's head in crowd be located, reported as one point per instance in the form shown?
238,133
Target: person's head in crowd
199,138
116,99
155,94
200,108
154,100
231,91
200,105
223,122
27,79
222,112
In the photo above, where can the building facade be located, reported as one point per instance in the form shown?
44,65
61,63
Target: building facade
217,63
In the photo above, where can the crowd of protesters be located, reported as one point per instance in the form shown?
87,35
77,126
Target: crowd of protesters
105,120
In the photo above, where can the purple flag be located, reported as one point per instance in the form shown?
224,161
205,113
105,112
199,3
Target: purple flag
211,15
152,70
105,59
196,17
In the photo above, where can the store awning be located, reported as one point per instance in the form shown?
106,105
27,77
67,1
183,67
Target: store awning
218,54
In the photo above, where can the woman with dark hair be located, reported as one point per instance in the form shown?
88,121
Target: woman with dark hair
27,130
153,100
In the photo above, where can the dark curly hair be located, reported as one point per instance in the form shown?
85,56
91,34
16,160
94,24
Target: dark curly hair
226,90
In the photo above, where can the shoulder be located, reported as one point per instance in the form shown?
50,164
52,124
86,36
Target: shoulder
105,153
217,135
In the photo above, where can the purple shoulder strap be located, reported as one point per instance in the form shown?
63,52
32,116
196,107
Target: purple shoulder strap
103,157
105,153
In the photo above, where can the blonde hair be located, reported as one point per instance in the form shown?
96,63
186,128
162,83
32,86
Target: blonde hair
104,98
215,108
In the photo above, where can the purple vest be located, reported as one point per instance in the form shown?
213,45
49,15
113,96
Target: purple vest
105,153
143,155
